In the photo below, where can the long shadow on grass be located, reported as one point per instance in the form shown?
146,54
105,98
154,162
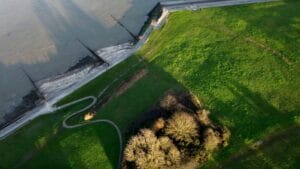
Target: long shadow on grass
264,114
135,102
280,20
110,142
79,148
54,159
250,109
249,117
269,153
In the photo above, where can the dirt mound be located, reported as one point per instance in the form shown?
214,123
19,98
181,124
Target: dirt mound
128,84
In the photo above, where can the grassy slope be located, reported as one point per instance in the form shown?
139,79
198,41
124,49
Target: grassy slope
248,88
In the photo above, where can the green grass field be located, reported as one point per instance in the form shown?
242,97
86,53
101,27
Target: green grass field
278,151
86,147
242,62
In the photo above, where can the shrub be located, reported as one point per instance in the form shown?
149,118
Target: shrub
225,134
197,103
180,101
202,117
183,128
158,124
147,151
169,102
174,138
211,139
172,154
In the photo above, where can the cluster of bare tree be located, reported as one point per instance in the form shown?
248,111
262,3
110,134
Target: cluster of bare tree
184,139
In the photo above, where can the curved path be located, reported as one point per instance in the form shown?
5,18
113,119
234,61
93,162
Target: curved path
94,101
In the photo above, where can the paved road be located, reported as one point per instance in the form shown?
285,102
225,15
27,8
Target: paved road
199,4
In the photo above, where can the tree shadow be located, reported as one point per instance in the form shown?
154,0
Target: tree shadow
281,25
251,109
110,143
135,102
269,152
54,157
248,108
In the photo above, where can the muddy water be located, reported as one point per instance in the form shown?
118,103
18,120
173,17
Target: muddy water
39,36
